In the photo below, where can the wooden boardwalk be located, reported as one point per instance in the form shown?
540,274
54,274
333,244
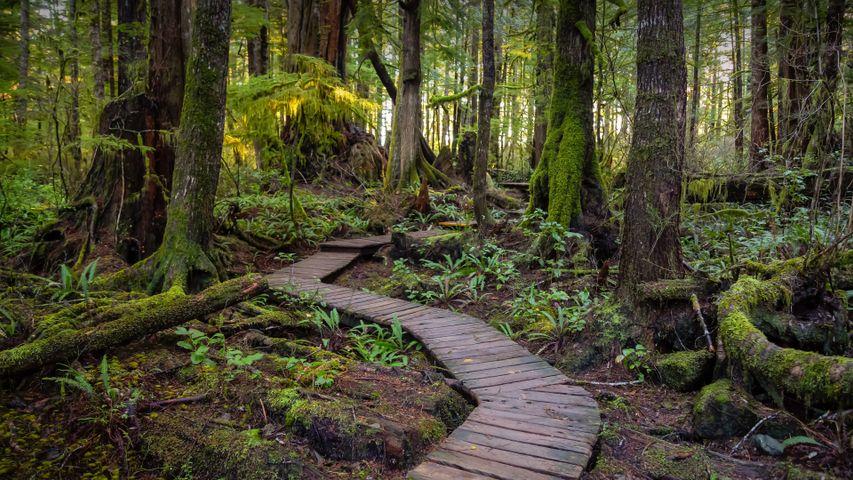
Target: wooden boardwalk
528,423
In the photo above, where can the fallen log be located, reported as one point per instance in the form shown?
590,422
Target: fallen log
166,310
810,377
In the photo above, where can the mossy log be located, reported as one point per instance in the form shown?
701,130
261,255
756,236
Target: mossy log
668,290
150,315
807,376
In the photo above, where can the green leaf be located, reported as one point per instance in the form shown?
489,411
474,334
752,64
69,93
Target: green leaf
185,345
801,440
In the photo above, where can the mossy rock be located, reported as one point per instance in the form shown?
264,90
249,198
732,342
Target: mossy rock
721,410
193,448
684,371
340,429
662,462
433,248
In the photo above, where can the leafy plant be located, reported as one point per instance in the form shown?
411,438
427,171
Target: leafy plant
328,324
203,349
632,359
67,286
320,373
8,329
559,323
385,346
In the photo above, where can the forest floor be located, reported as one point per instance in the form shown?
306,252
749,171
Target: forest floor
295,393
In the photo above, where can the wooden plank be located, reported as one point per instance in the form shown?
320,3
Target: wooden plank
441,328
435,471
474,338
551,419
555,398
481,366
451,363
461,337
522,385
398,307
488,345
578,442
485,353
502,371
563,389
488,467
522,444
564,429
512,378
541,465
566,412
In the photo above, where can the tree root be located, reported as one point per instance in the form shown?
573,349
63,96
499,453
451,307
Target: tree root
808,376
132,321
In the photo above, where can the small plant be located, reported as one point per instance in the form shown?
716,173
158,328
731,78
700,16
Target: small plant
507,330
560,323
204,349
632,359
286,257
67,287
328,324
10,327
384,346
320,373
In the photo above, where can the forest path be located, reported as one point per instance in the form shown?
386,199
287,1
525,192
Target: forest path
528,423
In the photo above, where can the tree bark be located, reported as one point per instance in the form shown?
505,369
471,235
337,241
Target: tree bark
794,64
258,49
73,127
651,248
695,92
95,40
107,46
131,21
760,82
303,27
544,56
23,65
737,80
566,183
129,188
152,315
182,258
405,151
481,163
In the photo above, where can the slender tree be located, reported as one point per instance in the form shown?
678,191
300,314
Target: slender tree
544,11
95,40
759,82
481,208
566,182
651,247
107,49
182,259
737,78
23,64
73,127
258,50
695,93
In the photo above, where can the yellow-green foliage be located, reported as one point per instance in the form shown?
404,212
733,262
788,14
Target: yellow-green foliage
808,376
706,189
311,99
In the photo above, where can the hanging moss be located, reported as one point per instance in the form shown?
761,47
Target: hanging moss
439,100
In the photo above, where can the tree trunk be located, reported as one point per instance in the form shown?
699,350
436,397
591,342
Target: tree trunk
544,53
481,163
131,21
760,81
107,46
95,40
182,258
405,151
794,85
566,183
303,27
474,75
696,92
651,248
151,315
822,106
737,80
23,65
258,49
73,127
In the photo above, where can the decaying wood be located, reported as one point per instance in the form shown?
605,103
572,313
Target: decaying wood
170,309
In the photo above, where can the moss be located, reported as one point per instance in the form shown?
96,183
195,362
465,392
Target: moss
720,410
281,399
431,430
807,376
567,156
684,371
660,463
439,100
669,289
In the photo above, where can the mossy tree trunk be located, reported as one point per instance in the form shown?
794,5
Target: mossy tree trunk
544,58
128,188
481,163
258,49
23,64
794,62
696,92
737,80
760,82
405,149
651,249
107,49
566,182
182,259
